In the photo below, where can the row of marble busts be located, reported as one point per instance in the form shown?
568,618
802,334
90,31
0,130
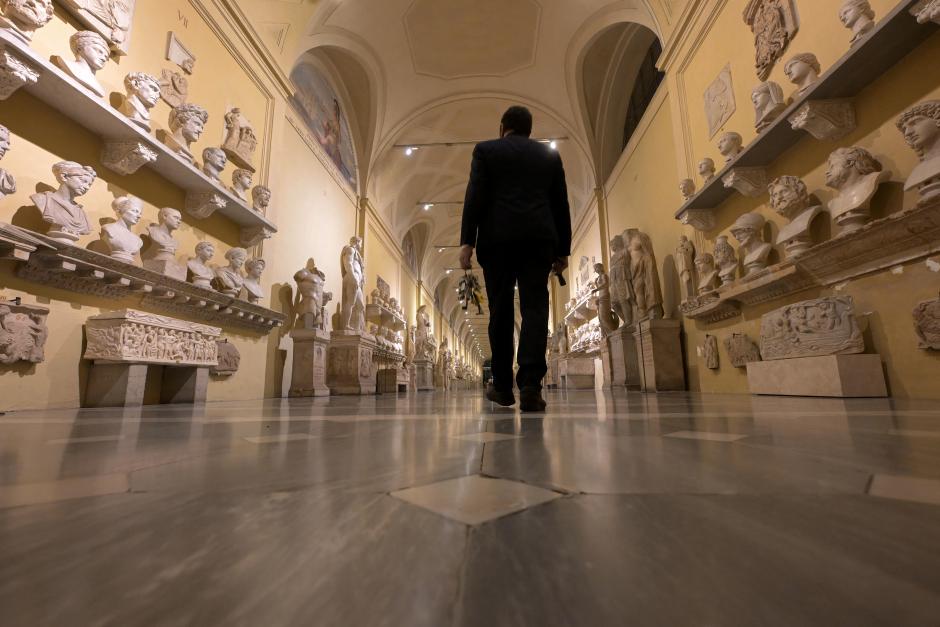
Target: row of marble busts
388,339
389,302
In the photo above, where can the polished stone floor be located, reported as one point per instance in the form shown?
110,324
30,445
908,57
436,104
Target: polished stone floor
441,509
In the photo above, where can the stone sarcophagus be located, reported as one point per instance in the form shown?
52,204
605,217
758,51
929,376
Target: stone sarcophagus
811,328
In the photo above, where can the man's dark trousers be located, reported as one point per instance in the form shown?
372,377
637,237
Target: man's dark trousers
503,268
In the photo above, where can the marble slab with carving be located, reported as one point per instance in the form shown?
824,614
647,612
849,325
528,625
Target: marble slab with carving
811,328
719,101
132,336
23,332
229,359
927,324
112,20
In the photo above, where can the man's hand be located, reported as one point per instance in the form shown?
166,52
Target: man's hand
466,253
560,265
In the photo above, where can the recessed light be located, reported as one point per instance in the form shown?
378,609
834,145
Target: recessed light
553,145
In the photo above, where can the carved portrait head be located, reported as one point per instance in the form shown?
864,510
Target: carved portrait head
617,244
705,263
706,168
803,67
170,218
255,267
91,47
788,196
27,14
847,164
356,242
236,257
4,141
687,188
144,86
189,120
767,96
215,157
729,144
77,177
921,126
747,228
854,10
260,197
128,208
241,178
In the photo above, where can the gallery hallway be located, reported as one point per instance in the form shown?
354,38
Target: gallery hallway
611,509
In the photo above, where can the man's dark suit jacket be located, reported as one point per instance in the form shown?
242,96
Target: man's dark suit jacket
517,195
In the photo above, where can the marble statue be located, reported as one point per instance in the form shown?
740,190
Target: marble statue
59,208
252,282
822,326
645,276
111,18
803,71
7,182
605,311
353,305
423,347
229,279
719,101
122,243
687,187
91,53
730,145
142,93
198,270
706,169
23,332
174,87
213,162
927,11
921,128
311,300
560,338
621,286
855,174
260,199
741,350
790,198
240,139
710,352
857,16
187,122
22,18
160,255
685,254
753,250
707,273
726,259
241,183
927,324
769,103
774,24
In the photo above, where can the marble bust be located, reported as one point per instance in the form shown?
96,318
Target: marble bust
707,273
22,18
687,187
7,182
213,162
790,199
729,145
726,259
803,71
241,183
122,243
859,17
921,128
198,271
753,250
769,103
260,198
142,93
706,169
927,11
160,255
187,122
252,283
59,208
229,279
91,53
855,175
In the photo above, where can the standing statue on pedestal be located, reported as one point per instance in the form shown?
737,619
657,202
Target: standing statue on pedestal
353,306
622,298
59,208
199,272
685,255
310,301
921,128
790,198
645,276
7,182
423,347
749,230
252,284
855,174
91,53
605,312
122,243
229,279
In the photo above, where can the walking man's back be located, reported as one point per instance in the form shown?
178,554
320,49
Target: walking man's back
516,216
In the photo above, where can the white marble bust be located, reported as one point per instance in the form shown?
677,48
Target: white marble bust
7,182
187,123
803,71
927,11
687,188
790,198
753,250
859,17
706,169
252,283
198,270
161,233
769,103
260,199
921,128
142,91
855,174
91,53
214,161
22,18
229,279
729,145
122,243
707,273
726,260
66,217
241,183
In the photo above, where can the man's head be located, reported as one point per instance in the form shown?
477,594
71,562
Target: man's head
144,86
516,121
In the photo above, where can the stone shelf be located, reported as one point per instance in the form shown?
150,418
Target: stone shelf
584,310
63,266
895,36
126,147
884,243
384,317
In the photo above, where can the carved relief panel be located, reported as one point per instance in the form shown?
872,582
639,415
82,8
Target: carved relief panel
719,101
774,24
23,332
134,336
822,326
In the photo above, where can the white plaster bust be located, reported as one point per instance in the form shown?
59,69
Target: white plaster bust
260,198
186,123
687,187
927,11
803,71
726,259
229,279
790,198
769,103
706,169
252,283
198,271
241,183
91,54
855,174
921,128
59,208
213,162
7,182
142,91
122,243
707,273
161,234
22,18
859,17
753,250
729,145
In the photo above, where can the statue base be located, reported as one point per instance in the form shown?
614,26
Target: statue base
424,375
112,384
308,377
659,353
350,370
386,381
625,369
838,376
577,373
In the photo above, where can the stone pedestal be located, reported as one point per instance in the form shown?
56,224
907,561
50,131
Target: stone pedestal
350,369
625,367
424,375
577,373
115,385
840,376
308,377
659,353
184,385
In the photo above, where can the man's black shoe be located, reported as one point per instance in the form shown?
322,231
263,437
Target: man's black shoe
500,397
530,399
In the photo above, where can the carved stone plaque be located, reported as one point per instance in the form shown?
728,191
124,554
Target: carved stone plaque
719,101
131,336
174,87
112,19
811,328
927,324
710,352
774,23
23,332
229,359
741,350
179,53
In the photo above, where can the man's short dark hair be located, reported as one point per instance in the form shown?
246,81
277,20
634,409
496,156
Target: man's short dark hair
518,120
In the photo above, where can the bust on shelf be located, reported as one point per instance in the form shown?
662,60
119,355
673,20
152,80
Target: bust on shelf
769,103
241,183
753,250
252,284
59,208
790,198
7,182
213,162
730,145
187,123
142,93
921,128
22,18
644,276
160,255
855,174
927,11
91,53
726,259
123,243
803,71
198,270
859,17
687,188
229,279
260,199
706,169
708,279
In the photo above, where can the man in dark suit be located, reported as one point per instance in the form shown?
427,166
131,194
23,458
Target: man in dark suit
516,216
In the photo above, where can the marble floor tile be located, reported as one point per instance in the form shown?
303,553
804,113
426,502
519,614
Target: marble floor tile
62,490
274,439
915,489
706,436
91,439
486,437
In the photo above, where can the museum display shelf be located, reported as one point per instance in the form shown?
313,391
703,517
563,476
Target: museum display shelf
895,36
583,310
884,243
63,266
384,317
126,147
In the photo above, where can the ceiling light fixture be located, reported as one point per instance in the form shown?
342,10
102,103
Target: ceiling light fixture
553,145
410,150
427,206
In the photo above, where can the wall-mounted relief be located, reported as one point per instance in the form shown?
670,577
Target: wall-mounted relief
710,352
774,24
7,182
112,19
741,350
240,140
927,324
229,359
719,101
174,87
23,332
811,328
179,53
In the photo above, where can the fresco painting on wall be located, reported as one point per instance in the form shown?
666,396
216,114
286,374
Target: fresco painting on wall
317,103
